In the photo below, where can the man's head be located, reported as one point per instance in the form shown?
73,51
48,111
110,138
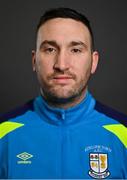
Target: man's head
64,57
66,13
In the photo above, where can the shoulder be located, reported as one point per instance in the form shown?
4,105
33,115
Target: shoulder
111,113
17,112
115,122
10,121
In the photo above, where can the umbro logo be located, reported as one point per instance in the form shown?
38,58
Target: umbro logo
24,158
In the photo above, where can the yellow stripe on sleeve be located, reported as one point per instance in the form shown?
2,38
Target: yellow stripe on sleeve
7,127
119,130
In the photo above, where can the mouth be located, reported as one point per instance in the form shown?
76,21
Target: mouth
62,79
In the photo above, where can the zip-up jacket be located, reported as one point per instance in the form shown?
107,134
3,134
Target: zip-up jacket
87,141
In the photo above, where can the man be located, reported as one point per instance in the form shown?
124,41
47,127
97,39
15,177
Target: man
64,133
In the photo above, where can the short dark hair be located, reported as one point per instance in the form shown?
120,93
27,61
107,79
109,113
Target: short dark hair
66,13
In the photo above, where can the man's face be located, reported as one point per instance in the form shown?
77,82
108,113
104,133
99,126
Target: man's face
63,59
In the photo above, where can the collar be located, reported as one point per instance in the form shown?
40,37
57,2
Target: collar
59,116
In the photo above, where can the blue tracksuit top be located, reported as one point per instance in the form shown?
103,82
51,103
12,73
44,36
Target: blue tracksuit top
87,141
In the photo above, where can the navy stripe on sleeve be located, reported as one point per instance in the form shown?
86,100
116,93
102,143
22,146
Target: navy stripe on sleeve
120,117
17,112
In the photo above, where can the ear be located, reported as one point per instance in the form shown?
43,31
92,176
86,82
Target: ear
95,59
34,60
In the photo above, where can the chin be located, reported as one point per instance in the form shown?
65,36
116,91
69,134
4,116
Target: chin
63,93
61,97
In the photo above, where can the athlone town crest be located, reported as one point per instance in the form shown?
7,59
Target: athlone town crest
98,165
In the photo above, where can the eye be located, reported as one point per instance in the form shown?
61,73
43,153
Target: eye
50,50
76,50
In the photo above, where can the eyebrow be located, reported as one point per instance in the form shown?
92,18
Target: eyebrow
54,43
78,43
46,42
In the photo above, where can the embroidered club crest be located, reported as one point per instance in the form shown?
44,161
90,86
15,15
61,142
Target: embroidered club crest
98,165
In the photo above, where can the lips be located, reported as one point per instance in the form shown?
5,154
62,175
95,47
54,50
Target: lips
62,79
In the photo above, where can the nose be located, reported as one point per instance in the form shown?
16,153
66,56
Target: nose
61,61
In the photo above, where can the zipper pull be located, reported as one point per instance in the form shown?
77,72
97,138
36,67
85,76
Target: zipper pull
63,115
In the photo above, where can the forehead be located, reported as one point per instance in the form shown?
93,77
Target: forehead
63,30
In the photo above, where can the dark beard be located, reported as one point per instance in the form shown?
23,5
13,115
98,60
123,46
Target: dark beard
54,100
79,93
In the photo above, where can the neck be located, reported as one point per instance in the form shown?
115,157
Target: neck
65,103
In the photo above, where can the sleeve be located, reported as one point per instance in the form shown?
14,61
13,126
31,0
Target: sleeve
3,159
125,163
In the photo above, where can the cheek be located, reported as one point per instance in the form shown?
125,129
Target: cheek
82,67
43,66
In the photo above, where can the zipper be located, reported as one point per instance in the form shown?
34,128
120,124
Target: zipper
63,144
